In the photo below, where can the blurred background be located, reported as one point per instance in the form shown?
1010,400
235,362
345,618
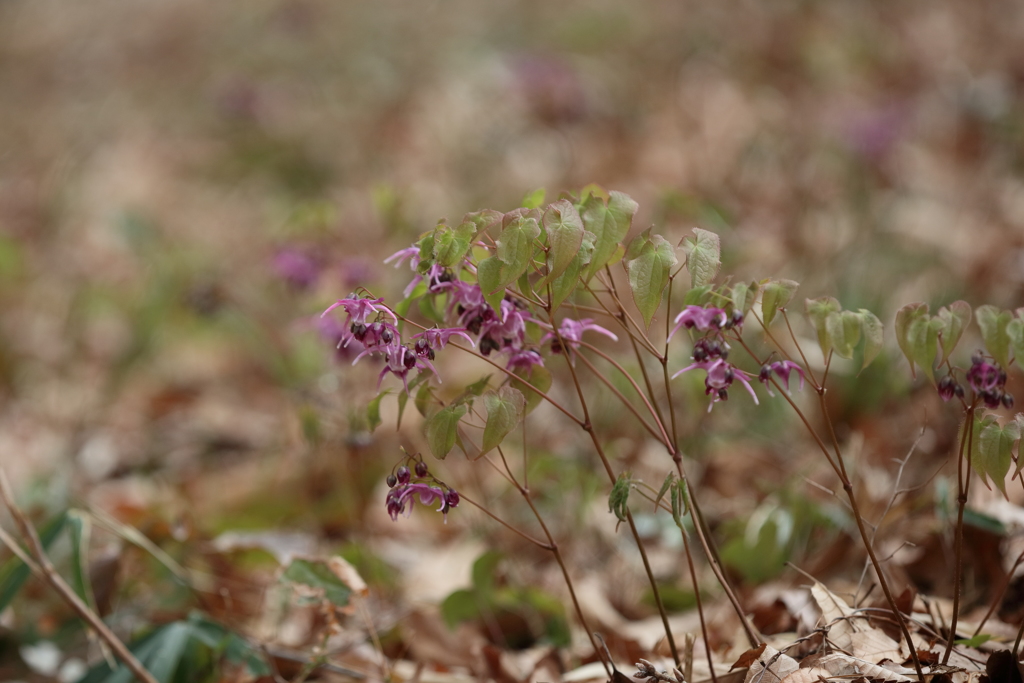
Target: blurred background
185,185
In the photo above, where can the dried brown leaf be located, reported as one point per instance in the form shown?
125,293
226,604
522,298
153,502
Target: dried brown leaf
771,667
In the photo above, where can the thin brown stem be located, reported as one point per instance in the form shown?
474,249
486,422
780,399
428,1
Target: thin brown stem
700,606
66,592
625,402
499,520
962,483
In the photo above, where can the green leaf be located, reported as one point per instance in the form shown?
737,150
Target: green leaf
743,296
373,410
665,486
484,571
974,641
923,337
539,377
610,223
993,324
680,502
424,396
461,605
619,497
442,428
450,246
843,329
534,199
649,273
565,284
14,572
475,389
1015,331
905,318
992,457
483,220
777,294
318,575
504,409
515,249
818,311
954,321
703,257
565,230
79,528
403,398
871,330
488,274
697,296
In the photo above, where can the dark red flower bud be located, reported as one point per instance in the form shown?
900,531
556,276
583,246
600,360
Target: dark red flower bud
421,468
403,475
452,498
1007,401
392,480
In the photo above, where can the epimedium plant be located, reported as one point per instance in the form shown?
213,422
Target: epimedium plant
537,286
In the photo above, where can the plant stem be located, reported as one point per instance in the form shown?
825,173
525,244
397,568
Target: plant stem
962,484
66,592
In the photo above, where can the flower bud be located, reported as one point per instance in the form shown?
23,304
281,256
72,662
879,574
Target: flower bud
452,498
1007,401
421,468
403,475
392,480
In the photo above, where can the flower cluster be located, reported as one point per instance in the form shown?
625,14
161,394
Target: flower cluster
710,353
571,333
987,381
379,337
403,491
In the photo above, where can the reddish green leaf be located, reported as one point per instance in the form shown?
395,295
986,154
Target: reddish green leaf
648,274
564,229
954,321
610,224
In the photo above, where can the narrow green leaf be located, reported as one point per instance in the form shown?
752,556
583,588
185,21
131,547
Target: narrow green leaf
993,324
610,223
905,317
515,248
974,641
373,410
534,199
665,486
954,321
565,230
79,530
680,502
818,311
488,273
14,572
504,409
319,576
777,294
442,428
648,275
403,399
703,257
619,497
872,331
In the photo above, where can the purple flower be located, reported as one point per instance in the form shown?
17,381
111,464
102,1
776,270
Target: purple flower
703,319
572,331
297,268
524,359
719,378
359,309
782,369
400,499
438,337
412,253
399,360
985,376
